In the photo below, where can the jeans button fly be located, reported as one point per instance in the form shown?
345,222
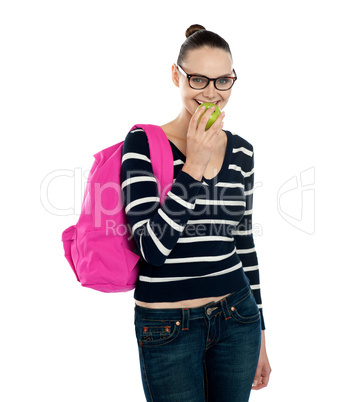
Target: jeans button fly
209,311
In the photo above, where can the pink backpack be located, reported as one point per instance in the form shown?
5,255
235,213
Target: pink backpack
100,248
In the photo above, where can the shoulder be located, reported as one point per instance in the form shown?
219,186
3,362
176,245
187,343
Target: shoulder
137,134
243,153
136,141
240,142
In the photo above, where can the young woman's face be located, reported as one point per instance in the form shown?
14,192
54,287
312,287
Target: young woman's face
210,62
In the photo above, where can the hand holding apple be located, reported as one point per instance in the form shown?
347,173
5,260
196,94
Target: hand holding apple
214,116
201,142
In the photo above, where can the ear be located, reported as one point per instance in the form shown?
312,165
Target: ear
175,75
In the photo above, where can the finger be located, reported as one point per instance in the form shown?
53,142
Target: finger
205,111
257,377
220,119
210,111
260,386
217,125
208,114
200,110
202,120
265,378
196,117
261,382
202,116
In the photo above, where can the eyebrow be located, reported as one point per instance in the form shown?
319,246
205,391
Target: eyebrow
202,75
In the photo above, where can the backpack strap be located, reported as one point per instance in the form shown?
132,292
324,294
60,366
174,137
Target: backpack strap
161,156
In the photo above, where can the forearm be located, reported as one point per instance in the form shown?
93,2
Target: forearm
156,228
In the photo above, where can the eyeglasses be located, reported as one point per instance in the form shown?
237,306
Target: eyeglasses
201,82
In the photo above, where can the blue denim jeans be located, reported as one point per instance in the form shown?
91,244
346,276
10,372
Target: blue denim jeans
209,353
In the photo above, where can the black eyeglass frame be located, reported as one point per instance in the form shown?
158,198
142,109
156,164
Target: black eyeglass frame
189,76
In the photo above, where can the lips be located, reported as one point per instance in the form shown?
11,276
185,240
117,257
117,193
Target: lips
200,102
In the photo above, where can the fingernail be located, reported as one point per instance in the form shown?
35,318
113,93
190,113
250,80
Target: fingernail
255,383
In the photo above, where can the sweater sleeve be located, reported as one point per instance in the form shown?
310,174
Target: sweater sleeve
156,228
245,240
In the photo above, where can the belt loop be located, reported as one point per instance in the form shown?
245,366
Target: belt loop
185,319
225,309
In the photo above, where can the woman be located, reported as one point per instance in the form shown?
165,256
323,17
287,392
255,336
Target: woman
198,316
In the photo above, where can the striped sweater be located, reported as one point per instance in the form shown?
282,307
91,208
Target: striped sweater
199,243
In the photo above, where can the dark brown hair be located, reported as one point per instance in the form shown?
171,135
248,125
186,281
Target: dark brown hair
196,37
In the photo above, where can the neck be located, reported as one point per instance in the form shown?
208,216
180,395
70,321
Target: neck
180,125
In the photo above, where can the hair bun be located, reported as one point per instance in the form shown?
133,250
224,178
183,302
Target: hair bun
194,28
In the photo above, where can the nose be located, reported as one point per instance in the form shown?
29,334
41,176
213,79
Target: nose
210,90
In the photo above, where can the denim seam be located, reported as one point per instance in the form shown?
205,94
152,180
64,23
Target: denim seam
245,297
185,318
247,320
145,371
219,326
205,379
159,342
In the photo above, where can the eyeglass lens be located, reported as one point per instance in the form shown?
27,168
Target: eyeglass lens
222,83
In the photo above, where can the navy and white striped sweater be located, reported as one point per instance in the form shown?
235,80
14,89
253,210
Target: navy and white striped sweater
199,243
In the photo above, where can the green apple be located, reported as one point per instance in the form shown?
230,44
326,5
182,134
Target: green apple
214,115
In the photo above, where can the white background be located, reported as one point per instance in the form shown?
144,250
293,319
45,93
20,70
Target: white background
75,76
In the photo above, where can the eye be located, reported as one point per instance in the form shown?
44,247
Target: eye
198,80
223,81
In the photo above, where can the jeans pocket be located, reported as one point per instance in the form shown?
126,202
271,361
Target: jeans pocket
246,310
156,333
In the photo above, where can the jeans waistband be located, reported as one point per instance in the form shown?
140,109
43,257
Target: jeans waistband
184,315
